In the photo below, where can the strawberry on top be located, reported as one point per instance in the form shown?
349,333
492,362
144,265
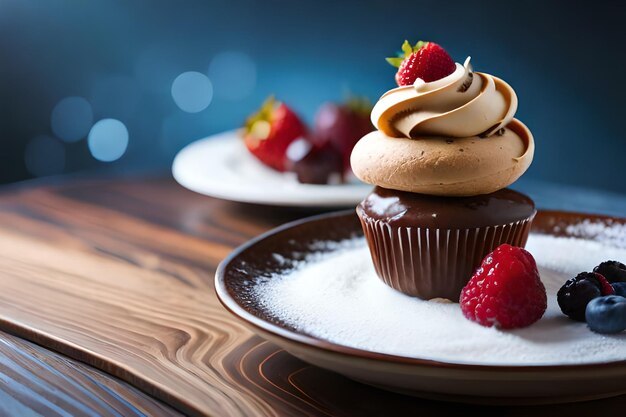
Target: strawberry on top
426,60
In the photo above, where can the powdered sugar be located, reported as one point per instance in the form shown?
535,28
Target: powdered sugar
603,231
337,296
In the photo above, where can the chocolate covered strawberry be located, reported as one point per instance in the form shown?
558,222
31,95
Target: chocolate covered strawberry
315,163
426,60
342,125
269,132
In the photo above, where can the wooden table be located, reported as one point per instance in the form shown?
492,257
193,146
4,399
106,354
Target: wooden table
107,308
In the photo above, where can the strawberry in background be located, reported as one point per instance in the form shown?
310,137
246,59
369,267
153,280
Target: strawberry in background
277,137
269,132
342,125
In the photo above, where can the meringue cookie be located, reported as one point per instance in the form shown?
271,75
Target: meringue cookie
445,166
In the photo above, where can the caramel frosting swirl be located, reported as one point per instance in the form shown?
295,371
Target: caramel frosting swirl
463,104
452,137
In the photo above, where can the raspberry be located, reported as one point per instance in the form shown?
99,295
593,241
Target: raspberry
576,293
506,291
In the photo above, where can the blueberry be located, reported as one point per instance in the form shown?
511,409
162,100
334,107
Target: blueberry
606,314
613,271
576,293
620,288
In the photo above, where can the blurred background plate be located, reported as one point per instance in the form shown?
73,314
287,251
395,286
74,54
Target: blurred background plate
220,166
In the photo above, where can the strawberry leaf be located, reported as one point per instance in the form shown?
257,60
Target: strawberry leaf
264,113
268,107
359,104
406,48
419,45
396,62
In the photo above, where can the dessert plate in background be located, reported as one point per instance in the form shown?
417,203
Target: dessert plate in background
220,166
273,255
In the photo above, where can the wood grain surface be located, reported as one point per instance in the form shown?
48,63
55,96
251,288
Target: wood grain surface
119,274
38,382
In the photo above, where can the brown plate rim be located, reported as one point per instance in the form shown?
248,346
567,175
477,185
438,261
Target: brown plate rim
291,336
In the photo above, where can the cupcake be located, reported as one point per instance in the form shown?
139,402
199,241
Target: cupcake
446,147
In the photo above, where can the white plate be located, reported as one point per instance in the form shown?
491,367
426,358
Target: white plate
220,166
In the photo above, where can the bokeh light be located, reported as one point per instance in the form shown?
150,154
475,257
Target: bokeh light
71,119
233,74
115,96
192,91
108,140
44,156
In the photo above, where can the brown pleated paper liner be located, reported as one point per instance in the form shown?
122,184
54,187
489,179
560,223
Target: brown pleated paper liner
430,263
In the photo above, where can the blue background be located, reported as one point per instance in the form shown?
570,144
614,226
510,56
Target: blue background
564,59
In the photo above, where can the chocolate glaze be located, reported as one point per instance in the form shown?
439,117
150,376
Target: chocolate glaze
404,209
429,247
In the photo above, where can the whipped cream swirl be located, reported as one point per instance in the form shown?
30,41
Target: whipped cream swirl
463,104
